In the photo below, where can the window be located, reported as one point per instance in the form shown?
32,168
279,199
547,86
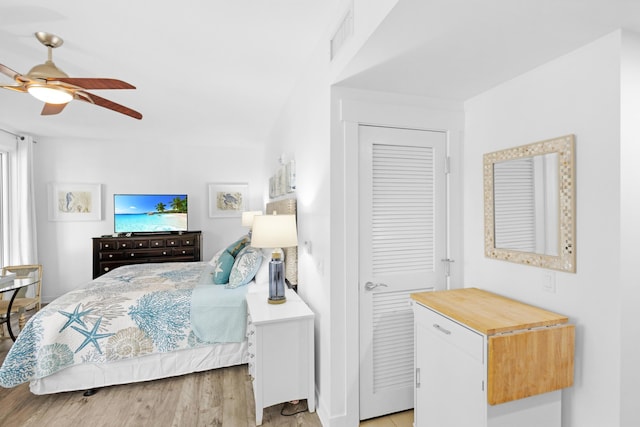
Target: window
4,204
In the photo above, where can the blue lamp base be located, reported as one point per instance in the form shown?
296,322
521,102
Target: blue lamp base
276,280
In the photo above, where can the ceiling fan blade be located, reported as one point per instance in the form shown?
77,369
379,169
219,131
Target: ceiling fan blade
50,109
15,88
9,72
93,83
102,102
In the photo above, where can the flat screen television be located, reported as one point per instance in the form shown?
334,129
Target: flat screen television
149,213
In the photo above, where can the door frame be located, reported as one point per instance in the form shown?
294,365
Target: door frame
388,111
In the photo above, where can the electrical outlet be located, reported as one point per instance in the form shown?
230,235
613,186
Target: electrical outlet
549,282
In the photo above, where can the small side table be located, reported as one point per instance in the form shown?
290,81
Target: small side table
281,355
14,286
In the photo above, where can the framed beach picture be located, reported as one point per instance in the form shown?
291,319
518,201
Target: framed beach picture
75,202
228,200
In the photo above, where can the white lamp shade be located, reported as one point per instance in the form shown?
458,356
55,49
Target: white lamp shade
274,231
247,217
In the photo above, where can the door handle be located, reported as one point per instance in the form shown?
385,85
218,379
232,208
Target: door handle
369,286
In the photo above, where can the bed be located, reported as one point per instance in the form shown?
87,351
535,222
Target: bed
132,324
143,322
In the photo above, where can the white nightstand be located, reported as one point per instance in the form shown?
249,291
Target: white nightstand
281,357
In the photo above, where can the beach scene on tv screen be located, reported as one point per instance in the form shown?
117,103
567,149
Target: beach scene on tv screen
150,212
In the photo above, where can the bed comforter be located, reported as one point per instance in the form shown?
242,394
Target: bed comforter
129,312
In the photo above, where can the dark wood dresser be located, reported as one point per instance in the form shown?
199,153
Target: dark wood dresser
111,252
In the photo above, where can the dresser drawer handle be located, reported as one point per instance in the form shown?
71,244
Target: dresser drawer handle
441,329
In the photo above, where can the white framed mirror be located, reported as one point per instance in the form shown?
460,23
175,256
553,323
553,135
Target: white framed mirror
529,204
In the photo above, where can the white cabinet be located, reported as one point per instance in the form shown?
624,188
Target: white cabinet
456,367
486,361
281,355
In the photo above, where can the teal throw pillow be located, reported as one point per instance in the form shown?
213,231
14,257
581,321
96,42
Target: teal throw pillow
235,248
223,267
245,267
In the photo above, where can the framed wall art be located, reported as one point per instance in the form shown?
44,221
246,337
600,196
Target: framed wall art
228,199
75,202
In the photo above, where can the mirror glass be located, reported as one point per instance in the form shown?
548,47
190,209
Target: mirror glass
529,204
525,202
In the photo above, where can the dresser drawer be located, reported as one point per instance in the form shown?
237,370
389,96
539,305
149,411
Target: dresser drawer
108,245
468,340
106,267
172,242
125,244
110,256
148,253
182,251
188,241
156,243
141,244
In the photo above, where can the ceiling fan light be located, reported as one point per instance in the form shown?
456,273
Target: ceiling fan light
50,95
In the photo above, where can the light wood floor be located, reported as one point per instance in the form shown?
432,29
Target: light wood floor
400,419
220,397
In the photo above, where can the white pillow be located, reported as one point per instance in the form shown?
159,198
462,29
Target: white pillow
245,267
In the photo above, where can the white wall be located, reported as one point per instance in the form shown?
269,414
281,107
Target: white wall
630,229
578,93
155,165
303,133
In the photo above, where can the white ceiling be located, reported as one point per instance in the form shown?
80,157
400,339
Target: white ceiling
226,67
456,49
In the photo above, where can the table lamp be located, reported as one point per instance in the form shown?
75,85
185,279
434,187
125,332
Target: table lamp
275,232
247,219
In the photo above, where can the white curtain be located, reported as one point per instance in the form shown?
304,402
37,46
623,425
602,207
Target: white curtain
22,210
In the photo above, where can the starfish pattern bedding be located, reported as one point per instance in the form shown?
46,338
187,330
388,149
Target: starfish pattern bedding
129,312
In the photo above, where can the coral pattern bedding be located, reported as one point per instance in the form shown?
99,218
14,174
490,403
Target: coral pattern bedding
129,312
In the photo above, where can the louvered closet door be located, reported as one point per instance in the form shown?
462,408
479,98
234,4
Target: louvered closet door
402,242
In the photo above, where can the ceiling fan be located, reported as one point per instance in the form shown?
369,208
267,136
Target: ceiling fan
55,88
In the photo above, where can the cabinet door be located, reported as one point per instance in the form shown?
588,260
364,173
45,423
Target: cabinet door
449,380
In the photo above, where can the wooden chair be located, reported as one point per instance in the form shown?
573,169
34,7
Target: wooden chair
22,303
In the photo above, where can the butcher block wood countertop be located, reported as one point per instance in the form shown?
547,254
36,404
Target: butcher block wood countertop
530,350
487,312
